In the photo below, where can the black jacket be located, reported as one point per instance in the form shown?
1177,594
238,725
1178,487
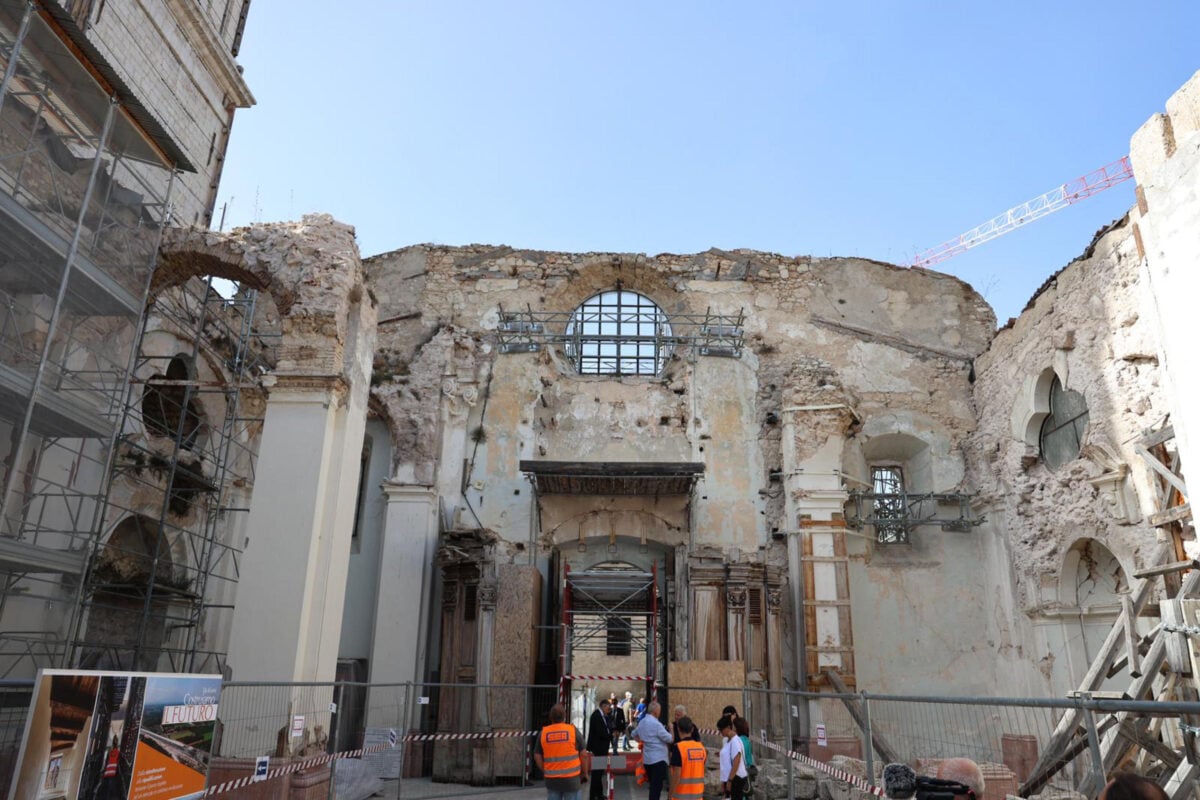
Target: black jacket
599,740
619,724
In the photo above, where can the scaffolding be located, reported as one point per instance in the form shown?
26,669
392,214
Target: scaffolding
615,611
83,201
158,592
708,334
84,198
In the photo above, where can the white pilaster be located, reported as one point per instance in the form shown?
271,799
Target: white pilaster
287,620
406,575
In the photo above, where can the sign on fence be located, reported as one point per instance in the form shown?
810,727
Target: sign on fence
120,735
297,726
261,765
822,738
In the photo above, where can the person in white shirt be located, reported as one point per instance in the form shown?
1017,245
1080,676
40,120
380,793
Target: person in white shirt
733,766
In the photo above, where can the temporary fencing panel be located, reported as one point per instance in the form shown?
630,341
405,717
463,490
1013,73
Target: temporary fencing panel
342,739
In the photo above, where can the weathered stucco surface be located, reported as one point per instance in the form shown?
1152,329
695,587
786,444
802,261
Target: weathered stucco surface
1091,325
893,345
1166,162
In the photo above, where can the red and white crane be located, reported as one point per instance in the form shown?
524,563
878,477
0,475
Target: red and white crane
1059,197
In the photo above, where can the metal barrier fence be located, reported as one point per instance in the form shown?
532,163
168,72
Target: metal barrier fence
1024,746
352,739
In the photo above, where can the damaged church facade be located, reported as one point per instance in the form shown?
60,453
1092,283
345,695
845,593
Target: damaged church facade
484,465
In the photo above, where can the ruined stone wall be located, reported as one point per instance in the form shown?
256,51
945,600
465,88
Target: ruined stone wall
894,345
1091,326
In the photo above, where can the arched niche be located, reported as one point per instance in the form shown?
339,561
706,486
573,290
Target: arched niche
920,447
1092,579
135,573
1090,586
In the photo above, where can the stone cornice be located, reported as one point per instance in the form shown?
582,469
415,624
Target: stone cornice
332,387
212,51
399,492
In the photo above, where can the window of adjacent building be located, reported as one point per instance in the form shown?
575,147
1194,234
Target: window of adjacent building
1062,430
890,507
618,332
619,636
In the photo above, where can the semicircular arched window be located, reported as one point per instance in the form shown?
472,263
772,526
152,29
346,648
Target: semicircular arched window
618,332
1062,430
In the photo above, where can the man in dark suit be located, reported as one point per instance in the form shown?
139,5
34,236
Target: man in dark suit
599,740
618,723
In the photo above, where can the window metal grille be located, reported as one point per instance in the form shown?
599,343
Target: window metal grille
890,506
1062,430
618,332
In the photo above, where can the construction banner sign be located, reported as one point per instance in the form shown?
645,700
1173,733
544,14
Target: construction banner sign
117,736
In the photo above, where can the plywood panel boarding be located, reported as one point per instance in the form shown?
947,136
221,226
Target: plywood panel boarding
704,704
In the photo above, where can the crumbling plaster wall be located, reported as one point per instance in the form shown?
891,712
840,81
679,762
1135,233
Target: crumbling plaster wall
850,318
894,345
1090,324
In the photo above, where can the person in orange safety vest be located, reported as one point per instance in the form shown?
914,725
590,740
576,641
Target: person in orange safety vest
693,758
560,756
110,787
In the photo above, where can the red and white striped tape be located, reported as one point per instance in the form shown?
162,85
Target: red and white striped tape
440,737
562,682
841,775
295,766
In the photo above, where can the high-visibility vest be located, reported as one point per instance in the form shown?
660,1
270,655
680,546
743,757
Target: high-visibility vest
560,751
694,757
110,766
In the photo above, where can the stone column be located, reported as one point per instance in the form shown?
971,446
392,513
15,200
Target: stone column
287,622
406,571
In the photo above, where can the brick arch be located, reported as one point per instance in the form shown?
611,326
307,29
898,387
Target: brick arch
310,269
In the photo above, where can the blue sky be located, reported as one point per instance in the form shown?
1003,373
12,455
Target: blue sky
873,129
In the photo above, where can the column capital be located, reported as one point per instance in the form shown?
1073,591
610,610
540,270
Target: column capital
408,492
305,388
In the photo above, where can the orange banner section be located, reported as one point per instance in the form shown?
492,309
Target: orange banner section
159,777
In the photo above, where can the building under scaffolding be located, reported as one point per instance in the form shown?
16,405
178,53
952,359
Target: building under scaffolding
91,468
